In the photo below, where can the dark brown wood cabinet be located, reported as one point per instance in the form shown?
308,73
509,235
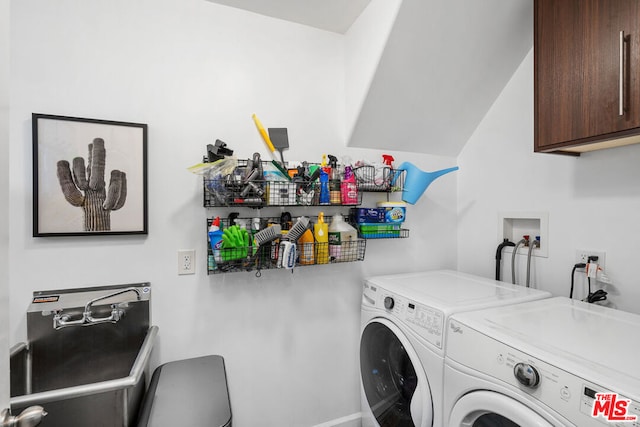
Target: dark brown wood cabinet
586,74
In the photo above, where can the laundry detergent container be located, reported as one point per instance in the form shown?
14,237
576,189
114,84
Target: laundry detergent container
190,392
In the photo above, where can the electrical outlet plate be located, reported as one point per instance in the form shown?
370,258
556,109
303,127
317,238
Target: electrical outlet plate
186,261
582,255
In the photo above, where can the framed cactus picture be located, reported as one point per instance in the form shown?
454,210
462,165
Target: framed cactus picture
89,176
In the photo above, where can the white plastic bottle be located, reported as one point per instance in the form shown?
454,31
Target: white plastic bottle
343,240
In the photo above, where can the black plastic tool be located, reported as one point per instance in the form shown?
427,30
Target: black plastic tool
217,151
280,139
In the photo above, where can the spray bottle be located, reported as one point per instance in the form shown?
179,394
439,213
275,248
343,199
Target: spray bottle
321,234
348,187
388,174
324,188
215,239
334,181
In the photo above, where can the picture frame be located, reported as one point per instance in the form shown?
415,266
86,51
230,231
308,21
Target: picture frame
89,177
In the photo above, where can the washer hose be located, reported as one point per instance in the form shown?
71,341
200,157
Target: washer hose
501,246
513,260
533,244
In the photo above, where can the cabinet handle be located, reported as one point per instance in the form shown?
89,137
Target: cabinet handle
621,76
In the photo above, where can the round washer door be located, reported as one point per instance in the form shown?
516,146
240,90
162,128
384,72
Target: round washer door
487,408
393,379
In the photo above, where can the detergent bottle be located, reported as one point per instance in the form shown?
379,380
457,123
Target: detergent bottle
343,240
305,243
349,189
215,239
321,234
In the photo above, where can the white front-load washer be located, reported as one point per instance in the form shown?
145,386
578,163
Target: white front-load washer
402,340
555,362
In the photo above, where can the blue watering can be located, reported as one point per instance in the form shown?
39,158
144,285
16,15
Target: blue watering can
416,181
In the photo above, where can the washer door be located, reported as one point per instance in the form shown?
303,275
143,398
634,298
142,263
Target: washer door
393,379
490,409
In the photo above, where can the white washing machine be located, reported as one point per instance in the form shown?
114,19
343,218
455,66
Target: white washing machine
402,340
543,363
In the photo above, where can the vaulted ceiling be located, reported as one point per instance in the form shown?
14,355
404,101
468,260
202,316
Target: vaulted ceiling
330,15
444,64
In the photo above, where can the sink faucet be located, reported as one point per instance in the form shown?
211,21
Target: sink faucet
63,320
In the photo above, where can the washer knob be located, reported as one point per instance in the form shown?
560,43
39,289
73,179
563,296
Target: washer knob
526,374
388,303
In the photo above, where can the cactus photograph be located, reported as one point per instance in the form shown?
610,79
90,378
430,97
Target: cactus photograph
89,177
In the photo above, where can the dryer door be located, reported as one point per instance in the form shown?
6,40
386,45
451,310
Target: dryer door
393,379
491,409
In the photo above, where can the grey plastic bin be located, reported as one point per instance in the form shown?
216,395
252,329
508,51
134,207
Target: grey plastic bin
190,392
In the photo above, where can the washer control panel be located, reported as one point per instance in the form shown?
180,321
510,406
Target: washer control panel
580,401
427,321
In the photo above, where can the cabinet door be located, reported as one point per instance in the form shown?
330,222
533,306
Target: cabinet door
578,71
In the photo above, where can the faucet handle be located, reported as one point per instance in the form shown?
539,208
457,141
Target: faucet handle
61,320
28,418
117,312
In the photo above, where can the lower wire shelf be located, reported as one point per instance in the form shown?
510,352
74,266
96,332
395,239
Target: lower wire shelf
268,256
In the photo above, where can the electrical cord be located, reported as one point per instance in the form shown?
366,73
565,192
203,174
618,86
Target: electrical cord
573,272
599,295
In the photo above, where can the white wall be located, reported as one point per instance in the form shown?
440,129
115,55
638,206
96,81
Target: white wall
195,71
592,201
365,41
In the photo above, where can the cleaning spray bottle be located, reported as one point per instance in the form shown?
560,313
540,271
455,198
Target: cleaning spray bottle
343,240
348,187
334,180
321,234
324,188
215,239
388,174
388,159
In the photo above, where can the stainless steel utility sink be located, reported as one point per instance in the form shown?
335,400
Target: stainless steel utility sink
87,355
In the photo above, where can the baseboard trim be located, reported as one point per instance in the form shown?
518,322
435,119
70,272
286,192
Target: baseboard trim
353,420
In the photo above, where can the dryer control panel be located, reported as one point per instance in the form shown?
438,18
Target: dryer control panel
426,321
580,401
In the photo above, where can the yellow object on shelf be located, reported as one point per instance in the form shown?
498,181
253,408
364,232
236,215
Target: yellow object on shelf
264,133
321,234
306,244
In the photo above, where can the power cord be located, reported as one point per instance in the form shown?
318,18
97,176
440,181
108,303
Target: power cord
573,272
599,295
589,259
